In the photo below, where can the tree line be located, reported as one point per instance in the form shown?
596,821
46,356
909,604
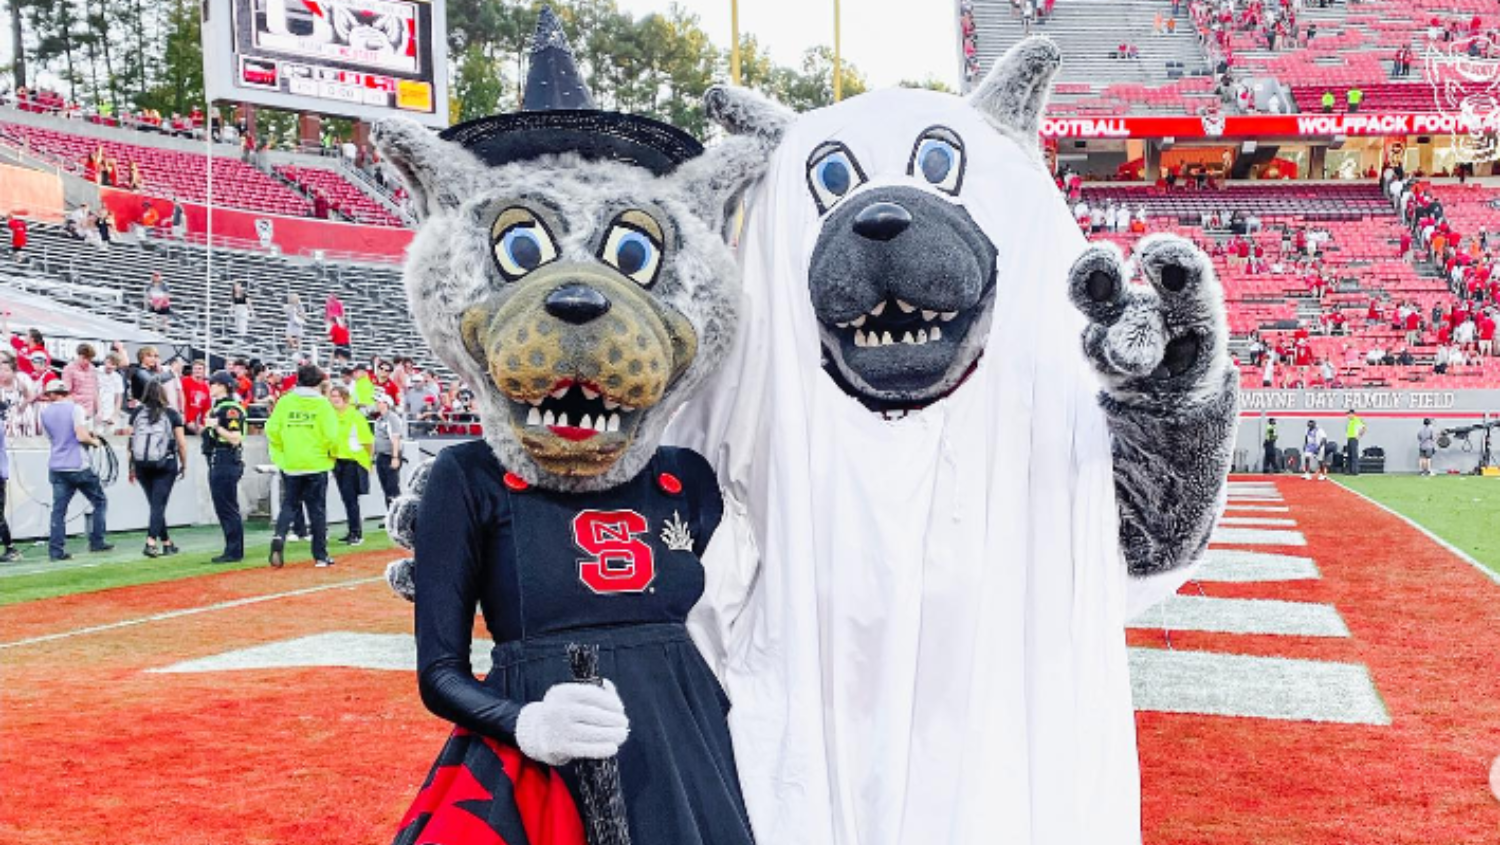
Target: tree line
131,55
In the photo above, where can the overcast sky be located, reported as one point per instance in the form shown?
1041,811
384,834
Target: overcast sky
889,40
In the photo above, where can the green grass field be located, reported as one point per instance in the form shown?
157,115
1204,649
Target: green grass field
35,577
1462,509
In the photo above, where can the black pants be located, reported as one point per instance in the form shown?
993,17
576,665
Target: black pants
157,484
1352,456
4,526
390,478
353,480
1272,461
224,483
309,491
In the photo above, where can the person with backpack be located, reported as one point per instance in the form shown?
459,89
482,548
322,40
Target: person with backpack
158,457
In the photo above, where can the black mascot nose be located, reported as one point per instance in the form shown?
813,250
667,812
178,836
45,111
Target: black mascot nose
882,221
576,304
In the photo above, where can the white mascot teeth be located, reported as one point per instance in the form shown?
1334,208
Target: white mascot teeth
932,649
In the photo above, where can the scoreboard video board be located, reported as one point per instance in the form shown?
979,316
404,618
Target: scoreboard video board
360,58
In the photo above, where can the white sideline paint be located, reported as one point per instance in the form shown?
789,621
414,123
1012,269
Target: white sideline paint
336,649
1257,520
1460,553
1256,537
190,611
1243,567
1254,687
1261,508
1243,616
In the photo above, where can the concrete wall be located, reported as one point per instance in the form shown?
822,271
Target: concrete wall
1396,435
28,504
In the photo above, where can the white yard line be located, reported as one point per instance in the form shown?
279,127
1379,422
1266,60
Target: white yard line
189,611
1460,553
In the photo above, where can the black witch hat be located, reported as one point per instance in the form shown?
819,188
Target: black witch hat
558,115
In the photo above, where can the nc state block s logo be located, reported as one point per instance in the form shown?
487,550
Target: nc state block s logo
620,561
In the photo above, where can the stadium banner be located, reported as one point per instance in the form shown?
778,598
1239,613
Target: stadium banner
32,193
1252,126
290,235
1369,400
365,59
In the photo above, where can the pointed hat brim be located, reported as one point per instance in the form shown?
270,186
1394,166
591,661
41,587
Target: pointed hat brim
595,135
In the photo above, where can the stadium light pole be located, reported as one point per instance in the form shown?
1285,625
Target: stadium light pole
734,44
838,56
208,243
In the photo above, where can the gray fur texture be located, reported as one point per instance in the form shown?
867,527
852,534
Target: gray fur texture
1171,393
1014,93
942,268
451,269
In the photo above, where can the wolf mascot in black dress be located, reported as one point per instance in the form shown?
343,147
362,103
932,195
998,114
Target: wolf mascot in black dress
571,267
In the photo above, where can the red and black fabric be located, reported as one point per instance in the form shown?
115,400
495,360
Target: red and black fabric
618,570
483,792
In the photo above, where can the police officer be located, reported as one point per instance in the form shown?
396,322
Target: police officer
223,432
1272,460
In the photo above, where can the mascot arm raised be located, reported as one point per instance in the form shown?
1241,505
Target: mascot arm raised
1170,396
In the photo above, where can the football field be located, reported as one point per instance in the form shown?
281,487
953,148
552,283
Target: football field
1330,679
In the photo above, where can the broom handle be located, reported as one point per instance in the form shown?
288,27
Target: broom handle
603,802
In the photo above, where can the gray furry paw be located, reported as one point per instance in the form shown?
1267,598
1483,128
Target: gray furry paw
401,527
401,575
1165,341
401,518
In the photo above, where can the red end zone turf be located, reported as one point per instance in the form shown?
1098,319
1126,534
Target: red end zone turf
1423,622
97,750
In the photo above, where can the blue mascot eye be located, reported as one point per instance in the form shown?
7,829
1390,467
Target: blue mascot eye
633,253
834,174
524,248
937,161
938,158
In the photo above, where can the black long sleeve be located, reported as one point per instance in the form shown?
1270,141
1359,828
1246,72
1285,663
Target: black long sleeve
448,576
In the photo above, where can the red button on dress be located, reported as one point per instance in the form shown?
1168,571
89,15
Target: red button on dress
515,482
669,483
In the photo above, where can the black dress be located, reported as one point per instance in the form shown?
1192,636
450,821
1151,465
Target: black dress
619,570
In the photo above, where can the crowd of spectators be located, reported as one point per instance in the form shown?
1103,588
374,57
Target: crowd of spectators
47,101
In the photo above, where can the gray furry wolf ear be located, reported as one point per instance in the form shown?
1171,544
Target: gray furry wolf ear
1015,92
439,174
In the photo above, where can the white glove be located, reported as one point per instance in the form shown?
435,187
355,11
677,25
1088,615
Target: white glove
573,721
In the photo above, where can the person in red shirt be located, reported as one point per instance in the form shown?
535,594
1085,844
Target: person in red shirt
41,369
1373,314
1413,327
1444,335
384,382
195,398
338,335
1486,330
243,384
1405,243
17,236
1304,357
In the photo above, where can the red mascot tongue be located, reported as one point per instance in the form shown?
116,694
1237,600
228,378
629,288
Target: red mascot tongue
569,432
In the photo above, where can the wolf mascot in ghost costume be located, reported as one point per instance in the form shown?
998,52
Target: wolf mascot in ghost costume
950,521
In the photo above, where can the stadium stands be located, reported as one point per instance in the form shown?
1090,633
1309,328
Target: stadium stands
346,198
169,172
1361,263
373,296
